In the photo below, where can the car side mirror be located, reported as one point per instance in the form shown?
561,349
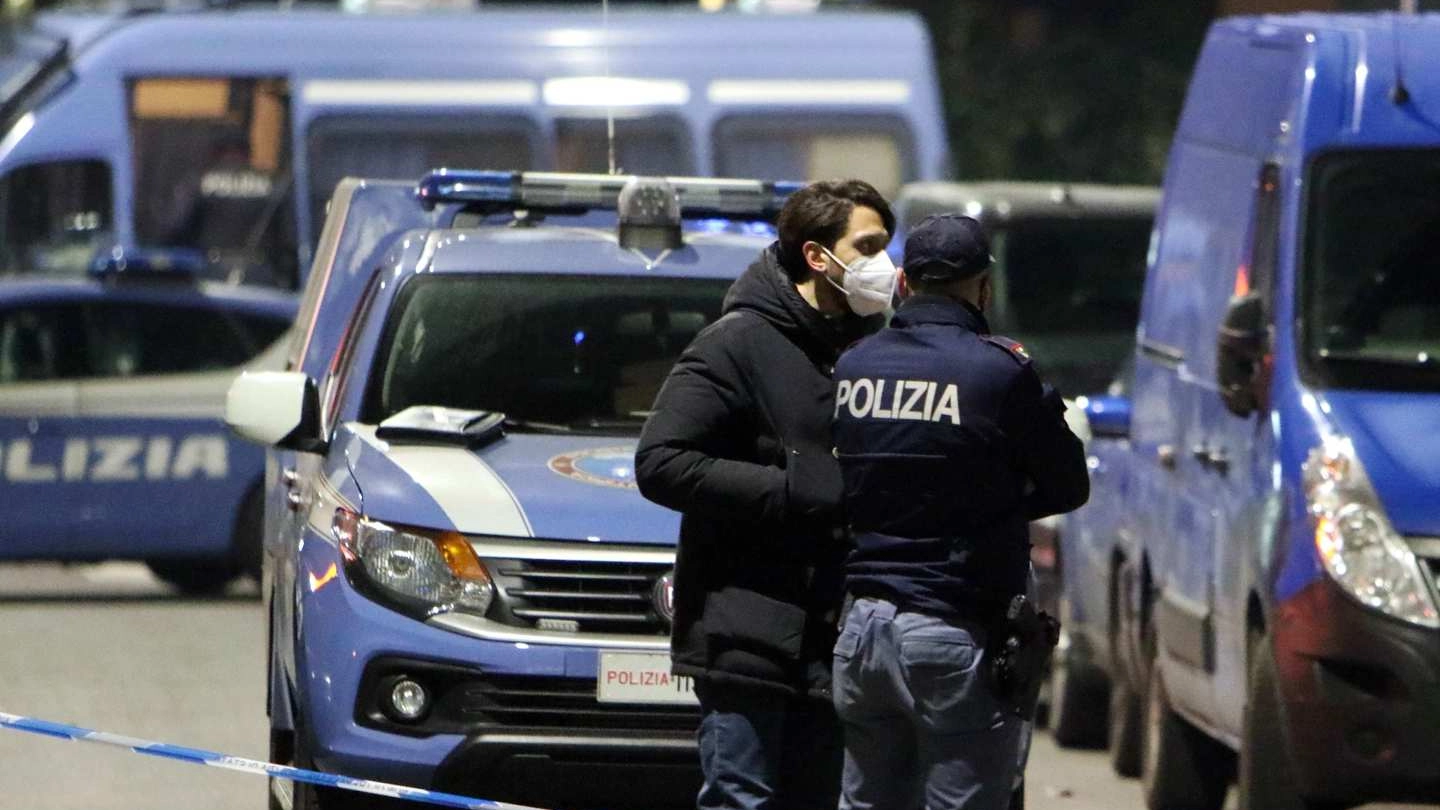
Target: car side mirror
1108,416
276,408
1240,353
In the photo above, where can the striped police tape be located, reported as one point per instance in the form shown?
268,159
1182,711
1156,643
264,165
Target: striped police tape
196,756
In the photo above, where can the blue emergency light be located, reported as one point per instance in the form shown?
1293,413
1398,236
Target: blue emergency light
699,197
129,262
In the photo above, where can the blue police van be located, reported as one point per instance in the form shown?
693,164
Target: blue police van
112,386
1255,575
465,590
226,129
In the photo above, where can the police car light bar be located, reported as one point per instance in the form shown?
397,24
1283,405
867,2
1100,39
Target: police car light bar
125,261
700,197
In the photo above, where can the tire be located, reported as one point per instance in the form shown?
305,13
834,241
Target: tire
194,577
1181,768
1267,777
1017,797
1123,728
1129,665
1078,697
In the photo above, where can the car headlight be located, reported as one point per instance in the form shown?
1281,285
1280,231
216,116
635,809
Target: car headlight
431,572
1357,545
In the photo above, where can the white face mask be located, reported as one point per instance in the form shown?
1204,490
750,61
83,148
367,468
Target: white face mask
869,283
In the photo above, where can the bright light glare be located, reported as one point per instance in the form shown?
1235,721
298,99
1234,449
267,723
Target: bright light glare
600,91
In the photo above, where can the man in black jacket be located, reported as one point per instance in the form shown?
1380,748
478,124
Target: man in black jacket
739,443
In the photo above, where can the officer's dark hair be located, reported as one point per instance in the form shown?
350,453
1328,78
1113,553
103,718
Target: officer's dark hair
820,213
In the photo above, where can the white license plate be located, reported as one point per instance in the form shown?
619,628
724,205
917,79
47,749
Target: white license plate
641,677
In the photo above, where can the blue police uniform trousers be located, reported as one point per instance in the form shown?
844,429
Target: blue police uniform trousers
922,725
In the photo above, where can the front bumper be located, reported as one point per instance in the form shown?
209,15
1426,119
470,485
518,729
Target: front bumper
1361,697
511,721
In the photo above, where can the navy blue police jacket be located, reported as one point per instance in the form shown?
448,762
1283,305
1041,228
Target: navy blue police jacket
949,444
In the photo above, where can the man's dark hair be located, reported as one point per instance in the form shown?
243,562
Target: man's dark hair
820,213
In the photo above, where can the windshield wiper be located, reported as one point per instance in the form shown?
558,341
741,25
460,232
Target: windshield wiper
530,426
609,424
1417,360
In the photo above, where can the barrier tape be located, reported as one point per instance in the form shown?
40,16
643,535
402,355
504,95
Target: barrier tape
196,756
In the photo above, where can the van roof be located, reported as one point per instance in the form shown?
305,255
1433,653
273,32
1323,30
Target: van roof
1355,61
1014,199
496,36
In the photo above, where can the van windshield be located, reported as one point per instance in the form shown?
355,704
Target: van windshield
1069,289
1371,287
579,351
212,172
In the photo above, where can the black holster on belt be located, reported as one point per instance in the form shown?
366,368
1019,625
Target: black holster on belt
1020,655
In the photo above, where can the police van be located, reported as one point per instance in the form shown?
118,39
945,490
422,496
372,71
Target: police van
464,587
1255,574
111,391
226,129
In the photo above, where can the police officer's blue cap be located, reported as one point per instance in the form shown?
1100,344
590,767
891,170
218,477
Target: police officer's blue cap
946,247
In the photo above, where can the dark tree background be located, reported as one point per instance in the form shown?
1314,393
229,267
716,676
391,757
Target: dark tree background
1082,90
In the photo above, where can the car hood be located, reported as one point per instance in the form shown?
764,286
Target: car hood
523,485
1397,436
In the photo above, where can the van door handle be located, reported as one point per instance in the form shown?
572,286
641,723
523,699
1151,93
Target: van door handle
294,495
1165,454
1201,453
1218,461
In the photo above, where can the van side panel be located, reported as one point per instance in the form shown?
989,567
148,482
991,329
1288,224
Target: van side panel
1238,100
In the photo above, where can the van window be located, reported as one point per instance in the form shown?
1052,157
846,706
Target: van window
1371,314
38,344
595,349
405,147
132,339
653,146
1070,290
779,148
54,216
212,172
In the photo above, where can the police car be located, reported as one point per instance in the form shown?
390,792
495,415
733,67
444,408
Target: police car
466,590
111,392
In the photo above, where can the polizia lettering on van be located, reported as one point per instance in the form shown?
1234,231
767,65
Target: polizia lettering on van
104,459
912,400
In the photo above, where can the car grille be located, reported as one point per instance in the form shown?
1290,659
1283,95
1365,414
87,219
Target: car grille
594,596
531,702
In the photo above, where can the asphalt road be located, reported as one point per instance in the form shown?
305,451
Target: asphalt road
110,648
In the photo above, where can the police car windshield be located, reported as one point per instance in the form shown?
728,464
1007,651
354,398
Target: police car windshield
1069,289
589,352
1371,287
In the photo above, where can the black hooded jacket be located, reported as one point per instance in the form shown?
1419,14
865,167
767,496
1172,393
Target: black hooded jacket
739,442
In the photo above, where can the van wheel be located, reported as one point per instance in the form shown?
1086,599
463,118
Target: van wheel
1181,769
1078,694
194,577
1267,779
1123,728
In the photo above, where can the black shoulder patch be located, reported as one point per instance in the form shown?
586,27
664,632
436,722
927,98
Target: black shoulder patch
1011,347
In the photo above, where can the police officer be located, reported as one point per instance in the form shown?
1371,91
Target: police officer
948,444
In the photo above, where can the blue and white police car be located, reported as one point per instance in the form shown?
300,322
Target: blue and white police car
466,591
111,392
